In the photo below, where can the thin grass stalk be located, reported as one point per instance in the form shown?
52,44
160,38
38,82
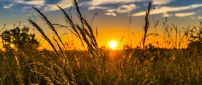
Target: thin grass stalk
49,82
43,34
52,27
90,31
60,70
69,69
18,71
63,54
49,24
168,33
93,18
55,76
69,20
84,35
176,35
93,39
146,27
63,26
60,48
129,29
54,48
79,13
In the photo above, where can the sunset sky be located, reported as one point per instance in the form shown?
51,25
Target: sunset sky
112,16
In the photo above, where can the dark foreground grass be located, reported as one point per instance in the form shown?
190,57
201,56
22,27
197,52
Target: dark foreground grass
170,67
148,66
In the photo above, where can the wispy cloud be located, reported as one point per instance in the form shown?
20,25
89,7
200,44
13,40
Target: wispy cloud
38,3
120,10
166,9
161,2
126,8
185,14
111,12
98,4
97,7
125,5
62,3
102,2
8,6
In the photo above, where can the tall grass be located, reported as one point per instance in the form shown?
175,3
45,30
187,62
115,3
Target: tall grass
146,27
95,66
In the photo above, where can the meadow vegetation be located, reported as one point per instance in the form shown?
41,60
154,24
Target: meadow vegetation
22,63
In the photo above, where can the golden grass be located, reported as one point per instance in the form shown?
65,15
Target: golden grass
131,66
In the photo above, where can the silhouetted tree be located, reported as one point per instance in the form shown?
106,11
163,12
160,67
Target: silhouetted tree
19,39
195,44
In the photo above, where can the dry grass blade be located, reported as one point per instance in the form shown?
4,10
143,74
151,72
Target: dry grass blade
78,12
146,27
84,37
43,34
84,32
48,80
49,24
93,39
70,21
84,21
60,48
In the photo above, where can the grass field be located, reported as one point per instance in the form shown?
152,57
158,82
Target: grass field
147,65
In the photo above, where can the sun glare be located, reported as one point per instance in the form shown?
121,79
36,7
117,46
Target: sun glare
113,44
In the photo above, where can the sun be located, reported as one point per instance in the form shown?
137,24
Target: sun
113,44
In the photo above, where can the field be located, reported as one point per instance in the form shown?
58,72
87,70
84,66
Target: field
21,63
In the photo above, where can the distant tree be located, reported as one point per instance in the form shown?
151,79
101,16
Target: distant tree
19,39
195,40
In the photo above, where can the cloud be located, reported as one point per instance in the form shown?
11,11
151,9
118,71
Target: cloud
47,7
8,6
97,7
121,9
112,11
63,3
110,14
40,4
95,3
161,2
185,14
37,3
126,8
102,2
167,9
